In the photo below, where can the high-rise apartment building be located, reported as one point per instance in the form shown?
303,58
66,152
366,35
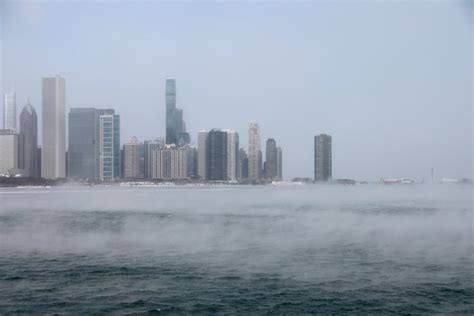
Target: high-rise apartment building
202,154
279,164
9,111
255,152
149,147
131,159
53,160
175,126
271,155
322,157
232,154
28,159
217,155
8,152
244,164
170,163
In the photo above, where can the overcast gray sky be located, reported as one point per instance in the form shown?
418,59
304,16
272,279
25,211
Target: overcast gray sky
390,81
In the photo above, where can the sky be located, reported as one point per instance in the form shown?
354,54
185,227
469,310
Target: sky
390,81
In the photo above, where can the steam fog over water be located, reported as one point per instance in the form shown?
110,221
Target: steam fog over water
237,249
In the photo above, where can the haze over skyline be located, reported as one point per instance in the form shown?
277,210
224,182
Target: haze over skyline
391,82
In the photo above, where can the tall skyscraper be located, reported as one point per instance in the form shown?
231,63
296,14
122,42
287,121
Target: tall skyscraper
271,155
322,157
232,154
255,152
9,111
244,164
202,154
279,164
29,141
217,155
106,147
8,152
53,160
84,144
131,159
94,144
175,126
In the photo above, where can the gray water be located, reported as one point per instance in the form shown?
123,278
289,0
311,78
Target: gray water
230,249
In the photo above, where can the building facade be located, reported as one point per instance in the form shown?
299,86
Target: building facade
8,152
322,157
202,154
254,152
9,111
149,147
131,157
28,160
279,164
244,164
170,163
232,155
217,155
53,160
271,155
84,146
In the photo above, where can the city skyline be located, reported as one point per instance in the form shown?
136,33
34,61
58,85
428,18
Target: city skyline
401,102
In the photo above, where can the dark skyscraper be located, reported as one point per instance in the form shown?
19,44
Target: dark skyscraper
217,155
271,171
83,150
175,126
322,157
29,142
244,164
279,164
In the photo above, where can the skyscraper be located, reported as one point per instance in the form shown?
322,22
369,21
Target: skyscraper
232,154
53,160
94,144
255,152
9,111
28,160
279,164
84,144
202,154
131,159
322,157
244,164
271,155
217,155
175,126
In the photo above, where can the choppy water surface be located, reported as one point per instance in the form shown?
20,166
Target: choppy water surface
363,249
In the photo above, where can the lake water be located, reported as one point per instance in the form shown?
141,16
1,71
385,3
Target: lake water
237,249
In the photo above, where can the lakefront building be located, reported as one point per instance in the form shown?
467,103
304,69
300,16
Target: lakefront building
131,158
28,151
271,163
322,157
202,154
8,152
232,154
279,164
170,163
94,144
254,152
53,160
9,111
217,155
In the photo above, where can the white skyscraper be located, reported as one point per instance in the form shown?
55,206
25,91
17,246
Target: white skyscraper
255,153
202,153
8,151
232,154
53,153
106,145
9,111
